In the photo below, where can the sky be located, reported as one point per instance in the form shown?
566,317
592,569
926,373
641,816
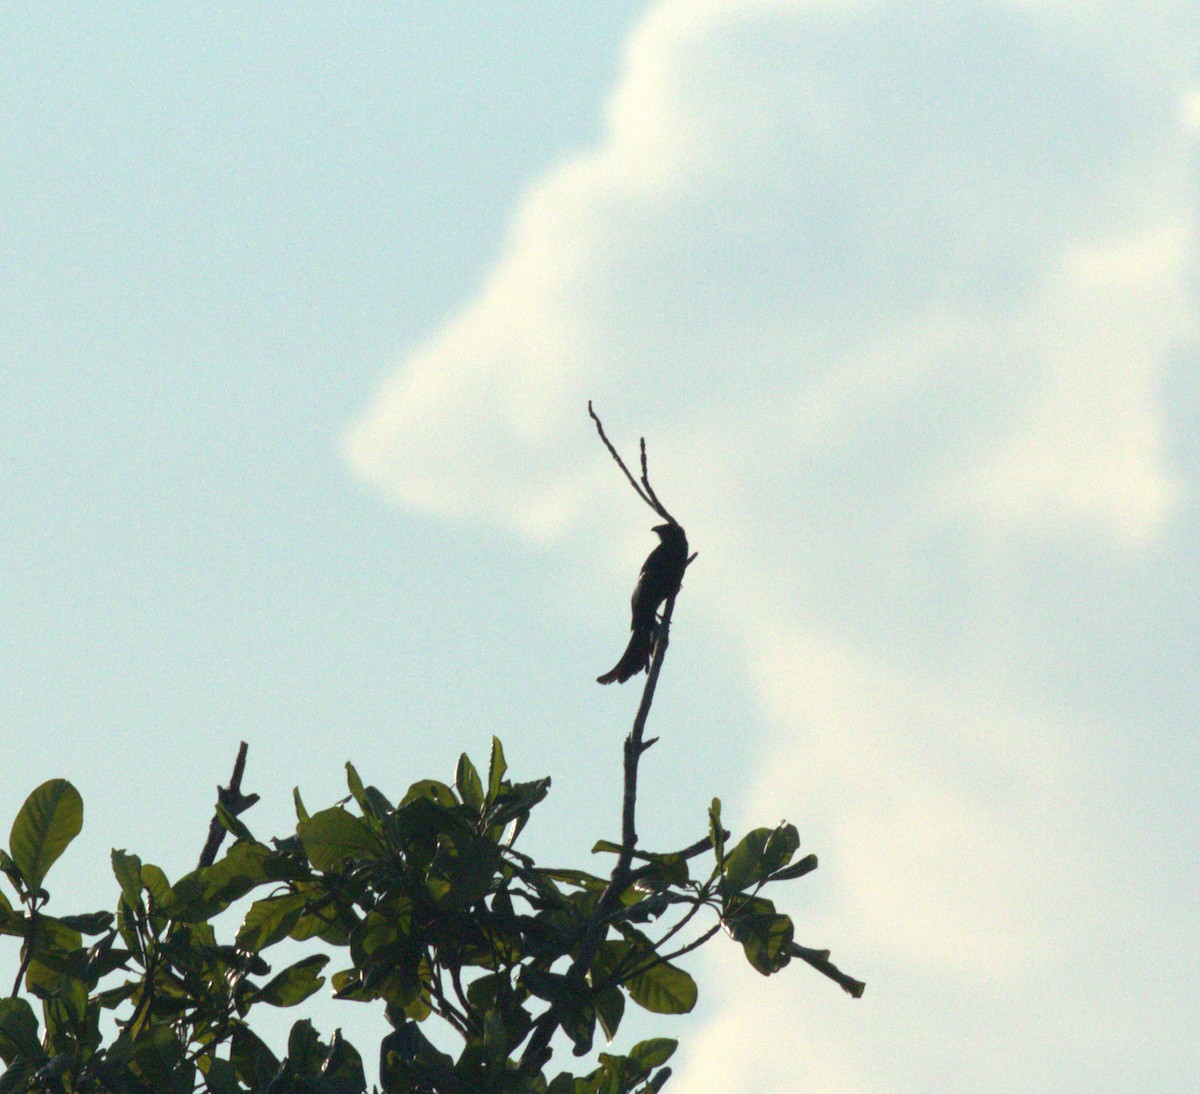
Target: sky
301,311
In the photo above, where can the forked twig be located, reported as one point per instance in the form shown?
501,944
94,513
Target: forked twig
644,490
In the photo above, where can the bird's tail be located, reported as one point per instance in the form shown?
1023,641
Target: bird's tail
635,659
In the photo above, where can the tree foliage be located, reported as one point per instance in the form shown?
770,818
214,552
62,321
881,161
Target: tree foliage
431,912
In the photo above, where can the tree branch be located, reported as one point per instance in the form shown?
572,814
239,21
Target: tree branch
232,798
536,1049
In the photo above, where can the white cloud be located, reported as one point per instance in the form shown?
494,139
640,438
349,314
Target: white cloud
897,288
1091,447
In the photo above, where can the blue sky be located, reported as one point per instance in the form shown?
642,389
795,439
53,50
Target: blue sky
302,308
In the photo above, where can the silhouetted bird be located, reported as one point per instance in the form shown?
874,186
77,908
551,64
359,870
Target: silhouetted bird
660,578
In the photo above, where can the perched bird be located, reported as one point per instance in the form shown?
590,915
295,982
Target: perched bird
661,575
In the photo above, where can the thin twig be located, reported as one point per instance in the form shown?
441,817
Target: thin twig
658,505
647,494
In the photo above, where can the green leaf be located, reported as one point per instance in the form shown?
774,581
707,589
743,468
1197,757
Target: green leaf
797,869
255,1063
661,870
128,871
466,778
11,922
269,920
409,1061
654,1052
658,1082
433,790
220,1076
715,832
89,922
51,817
819,960
341,1071
9,869
19,1032
232,825
663,989
157,886
765,937
757,855
64,1013
305,1051
295,984
301,812
581,879
610,1009
57,953
571,1002
332,836
496,769
606,846
355,784
516,801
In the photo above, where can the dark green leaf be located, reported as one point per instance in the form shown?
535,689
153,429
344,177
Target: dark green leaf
305,1051
663,989
516,801
50,819
571,1002
610,1008
220,1076
797,869
332,836
765,937
410,1062
341,1071
659,1081
654,1052
158,1059
579,878
819,960
606,846
375,804
11,922
662,870
91,923
254,1062
295,984
19,1031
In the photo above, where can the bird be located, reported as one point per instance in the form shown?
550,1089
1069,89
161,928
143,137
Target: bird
660,578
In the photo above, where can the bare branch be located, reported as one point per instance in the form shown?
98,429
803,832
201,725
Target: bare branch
644,490
232,798
622,874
